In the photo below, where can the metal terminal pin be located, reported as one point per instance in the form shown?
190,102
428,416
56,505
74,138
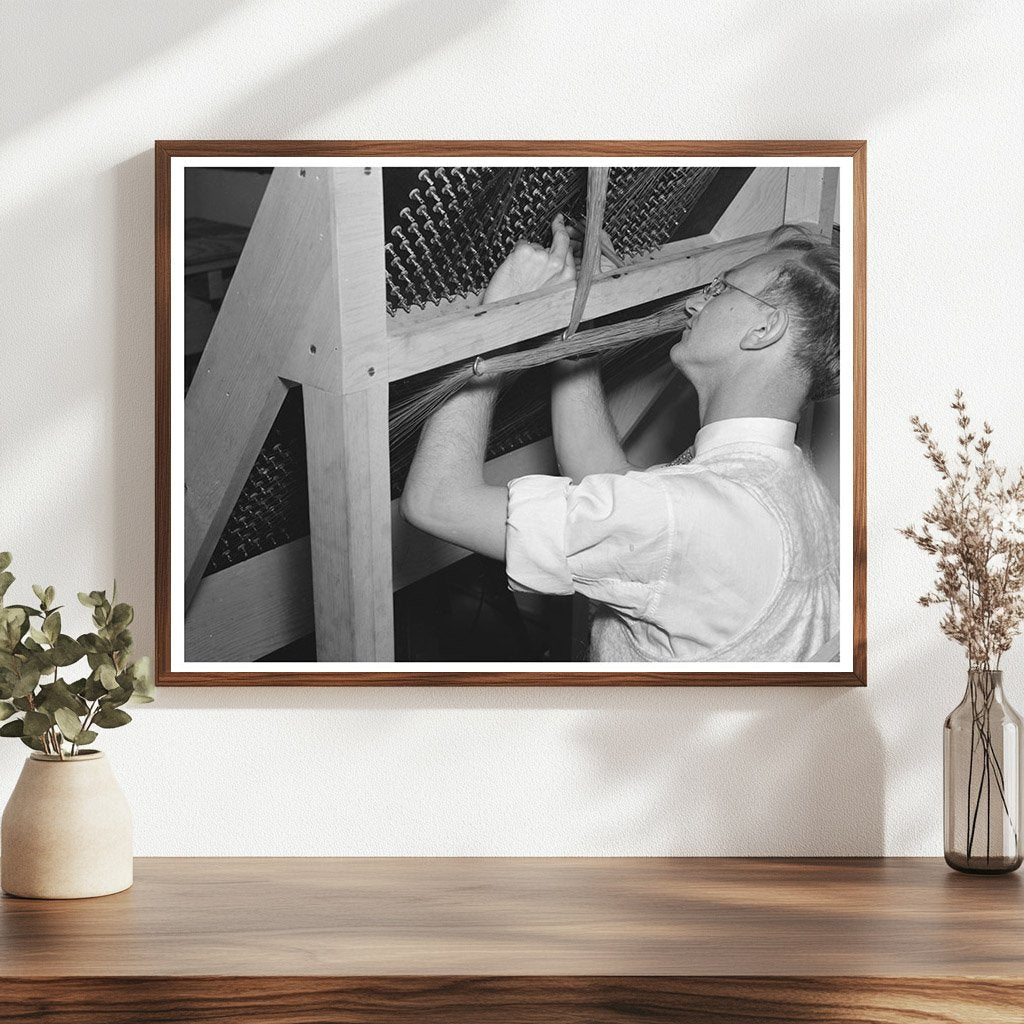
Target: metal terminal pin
478,366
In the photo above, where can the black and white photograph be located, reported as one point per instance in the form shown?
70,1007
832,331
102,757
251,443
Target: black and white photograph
536,416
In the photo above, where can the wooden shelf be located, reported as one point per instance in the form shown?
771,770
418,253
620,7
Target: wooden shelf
525,939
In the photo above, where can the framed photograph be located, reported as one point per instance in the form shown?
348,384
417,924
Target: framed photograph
492,413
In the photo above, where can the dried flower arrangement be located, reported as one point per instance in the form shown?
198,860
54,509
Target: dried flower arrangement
975,530
979,541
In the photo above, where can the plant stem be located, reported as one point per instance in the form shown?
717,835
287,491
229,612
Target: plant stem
982,698
59,740
970,767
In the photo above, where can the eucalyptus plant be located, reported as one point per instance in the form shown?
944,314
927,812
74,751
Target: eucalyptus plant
46,712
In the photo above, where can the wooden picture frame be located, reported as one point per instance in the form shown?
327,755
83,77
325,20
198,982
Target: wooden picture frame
331,282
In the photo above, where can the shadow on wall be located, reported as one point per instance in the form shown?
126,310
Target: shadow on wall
382,47
739,772
55,76
695,771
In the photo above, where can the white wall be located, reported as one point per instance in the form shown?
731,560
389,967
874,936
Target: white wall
935,87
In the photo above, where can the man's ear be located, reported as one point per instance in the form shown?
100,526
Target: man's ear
766,331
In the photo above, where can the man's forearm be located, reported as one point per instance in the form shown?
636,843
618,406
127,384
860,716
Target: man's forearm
585,437
445,493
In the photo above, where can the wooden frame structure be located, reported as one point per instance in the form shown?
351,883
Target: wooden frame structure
307,306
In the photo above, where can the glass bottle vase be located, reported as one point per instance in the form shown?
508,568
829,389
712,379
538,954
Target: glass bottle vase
981,772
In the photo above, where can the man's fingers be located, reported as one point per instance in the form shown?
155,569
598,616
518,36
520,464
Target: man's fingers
559,240
568,271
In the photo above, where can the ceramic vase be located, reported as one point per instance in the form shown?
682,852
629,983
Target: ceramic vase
66,831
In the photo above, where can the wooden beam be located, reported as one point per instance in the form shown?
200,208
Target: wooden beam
252,608
759,205
811,197
237,389
439,340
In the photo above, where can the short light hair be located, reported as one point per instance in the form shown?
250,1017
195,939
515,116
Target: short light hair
807,285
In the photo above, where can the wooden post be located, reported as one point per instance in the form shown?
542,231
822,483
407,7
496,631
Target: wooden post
350,523
345,394
811,197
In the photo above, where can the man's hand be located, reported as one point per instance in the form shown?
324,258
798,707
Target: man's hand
530,266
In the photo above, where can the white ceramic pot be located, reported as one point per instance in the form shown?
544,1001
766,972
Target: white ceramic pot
66,831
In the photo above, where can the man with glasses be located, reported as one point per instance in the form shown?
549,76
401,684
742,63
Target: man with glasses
728,554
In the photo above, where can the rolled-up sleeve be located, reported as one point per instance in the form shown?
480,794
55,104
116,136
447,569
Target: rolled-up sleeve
608,537
535,557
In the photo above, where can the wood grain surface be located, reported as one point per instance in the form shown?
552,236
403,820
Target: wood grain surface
523,939
511,1000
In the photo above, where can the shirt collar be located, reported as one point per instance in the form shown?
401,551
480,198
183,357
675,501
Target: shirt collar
759,429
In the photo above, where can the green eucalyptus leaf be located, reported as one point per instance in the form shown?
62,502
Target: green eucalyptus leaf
142,679
6,710
36,723
13,626
77,687
89,600
5,560
50,595
51,626
67,651
13,728
59,695
94,644
86,736
27,681
29,610
94,689
9,663
115,698
109,718
122,616
69,724
6,579
107,676
38,636
22,703
31,741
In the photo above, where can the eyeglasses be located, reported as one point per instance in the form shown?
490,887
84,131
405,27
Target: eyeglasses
715,288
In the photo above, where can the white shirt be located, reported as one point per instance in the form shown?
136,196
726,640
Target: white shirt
686,550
